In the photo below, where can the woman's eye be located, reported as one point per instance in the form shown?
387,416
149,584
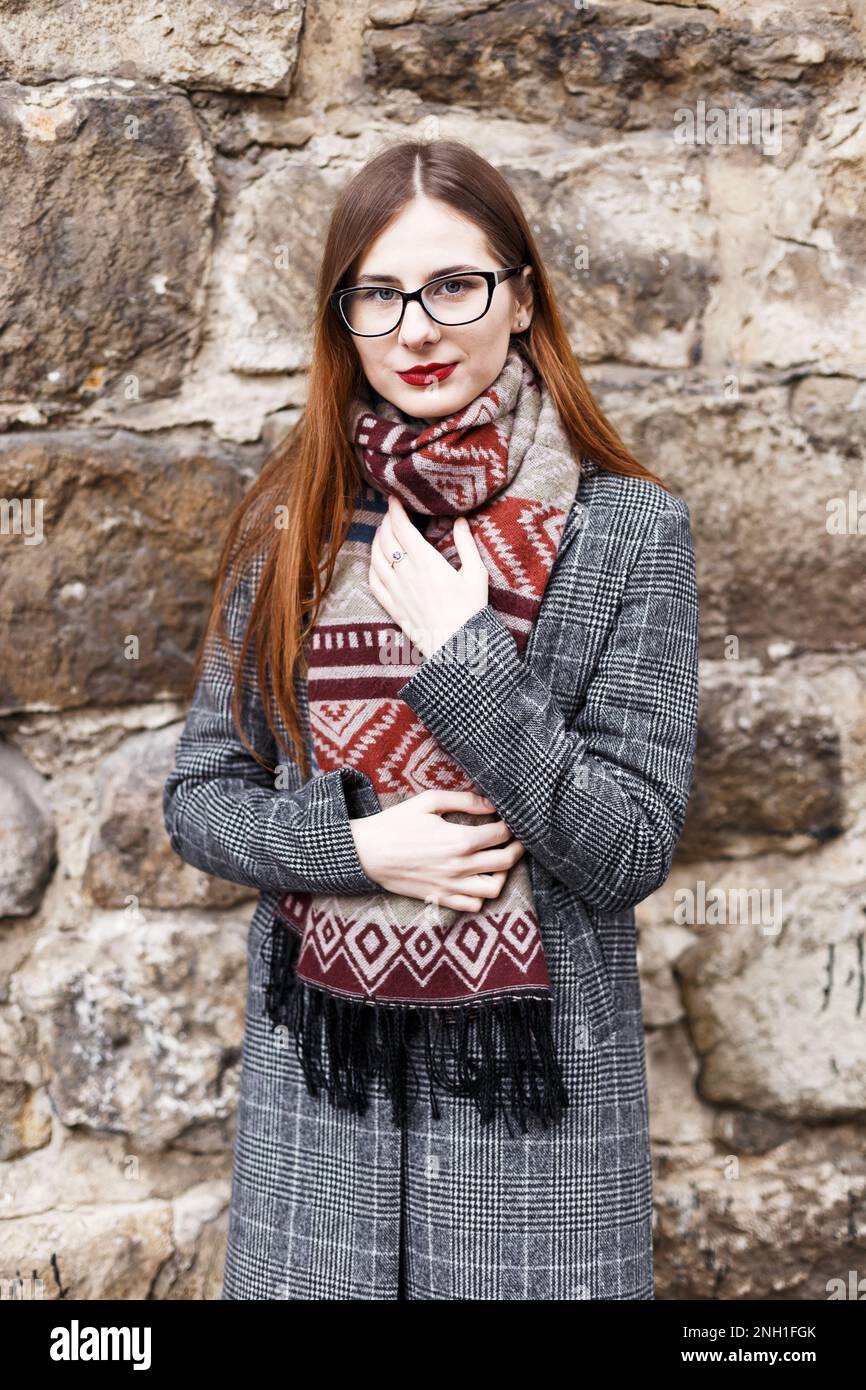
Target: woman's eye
378,289
450,288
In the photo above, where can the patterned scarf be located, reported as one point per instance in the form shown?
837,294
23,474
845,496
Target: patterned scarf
353,977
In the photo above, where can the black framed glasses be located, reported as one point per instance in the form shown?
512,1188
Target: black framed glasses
368,312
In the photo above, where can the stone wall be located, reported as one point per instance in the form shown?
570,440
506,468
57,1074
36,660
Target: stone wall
166,183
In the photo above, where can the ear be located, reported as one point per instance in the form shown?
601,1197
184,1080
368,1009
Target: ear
525,301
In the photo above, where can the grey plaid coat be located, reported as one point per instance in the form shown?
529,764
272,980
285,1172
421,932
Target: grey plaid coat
586,749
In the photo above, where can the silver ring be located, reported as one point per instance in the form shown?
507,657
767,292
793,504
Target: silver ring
398,555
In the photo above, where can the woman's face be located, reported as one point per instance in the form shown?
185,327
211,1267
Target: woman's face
429,238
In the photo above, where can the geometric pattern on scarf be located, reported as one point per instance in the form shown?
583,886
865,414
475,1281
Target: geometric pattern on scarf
505,464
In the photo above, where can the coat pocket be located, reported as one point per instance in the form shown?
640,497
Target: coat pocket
576,922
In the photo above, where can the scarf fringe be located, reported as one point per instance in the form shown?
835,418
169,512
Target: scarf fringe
343,1044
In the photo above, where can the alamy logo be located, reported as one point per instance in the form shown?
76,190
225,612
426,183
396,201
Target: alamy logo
22,516
75,1343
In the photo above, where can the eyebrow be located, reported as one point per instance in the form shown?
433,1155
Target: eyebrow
373,276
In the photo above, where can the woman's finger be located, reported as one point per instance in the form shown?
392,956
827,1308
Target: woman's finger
382,550
379,565
403,532
380,593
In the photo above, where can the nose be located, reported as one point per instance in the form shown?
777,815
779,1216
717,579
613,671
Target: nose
417,326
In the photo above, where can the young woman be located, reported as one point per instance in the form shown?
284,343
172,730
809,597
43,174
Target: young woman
448,732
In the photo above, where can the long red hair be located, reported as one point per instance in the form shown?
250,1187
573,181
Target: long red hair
309,479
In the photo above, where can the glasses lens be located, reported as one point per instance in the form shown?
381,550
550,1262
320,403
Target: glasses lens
457,298
374,309
454,299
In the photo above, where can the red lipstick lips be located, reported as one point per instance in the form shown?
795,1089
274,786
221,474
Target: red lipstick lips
427,372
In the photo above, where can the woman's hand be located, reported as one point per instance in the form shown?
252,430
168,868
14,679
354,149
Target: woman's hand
425,595
412,851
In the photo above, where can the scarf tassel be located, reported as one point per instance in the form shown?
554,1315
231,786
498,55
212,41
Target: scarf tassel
343,1044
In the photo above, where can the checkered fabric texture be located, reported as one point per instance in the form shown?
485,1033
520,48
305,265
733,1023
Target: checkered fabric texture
586,747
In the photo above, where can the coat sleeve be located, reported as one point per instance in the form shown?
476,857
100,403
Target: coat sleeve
600,804
222,810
